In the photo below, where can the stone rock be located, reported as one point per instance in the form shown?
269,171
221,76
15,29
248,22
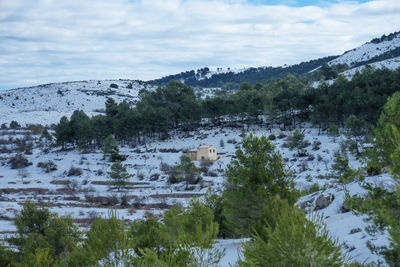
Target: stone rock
305,204
322,202
344,208
355,230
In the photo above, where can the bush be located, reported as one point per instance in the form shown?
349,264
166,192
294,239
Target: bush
74,171
373,168
14,125
205,165
271,137
292,240
316,145
186,172
49,166
19,161
165,167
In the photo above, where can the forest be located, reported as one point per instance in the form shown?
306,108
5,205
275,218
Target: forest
287,102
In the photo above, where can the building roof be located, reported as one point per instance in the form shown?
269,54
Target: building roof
205,146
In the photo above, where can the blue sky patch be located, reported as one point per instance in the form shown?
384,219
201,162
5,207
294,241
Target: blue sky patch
299,3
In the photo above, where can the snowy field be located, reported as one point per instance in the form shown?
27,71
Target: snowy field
46,104
149,193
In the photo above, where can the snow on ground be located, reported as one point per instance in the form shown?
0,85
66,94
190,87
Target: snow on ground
346,227
46,104
392,64
366,52
87,195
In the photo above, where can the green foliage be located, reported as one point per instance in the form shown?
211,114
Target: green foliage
387,133
297,141
147,234
14,125
119,174
110,148
186,172
183,238
373,168
382,208
255,175
342,171
287,101
43,236
46,135
106,240
63,132
356,130
292,240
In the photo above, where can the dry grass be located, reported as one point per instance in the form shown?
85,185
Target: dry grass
63,182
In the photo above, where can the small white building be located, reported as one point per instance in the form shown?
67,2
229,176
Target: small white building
204,152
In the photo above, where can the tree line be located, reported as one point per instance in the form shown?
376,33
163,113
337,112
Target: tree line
285,101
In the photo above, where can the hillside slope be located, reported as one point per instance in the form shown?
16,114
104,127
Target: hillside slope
46,104
378,49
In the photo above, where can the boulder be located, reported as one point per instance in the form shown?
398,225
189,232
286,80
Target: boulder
323,201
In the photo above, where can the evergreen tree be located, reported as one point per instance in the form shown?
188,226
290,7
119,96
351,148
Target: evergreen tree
356,129
46,135
40,231
255,175
110,148
14,125
186,171
119,174
292,240
387,133
63,132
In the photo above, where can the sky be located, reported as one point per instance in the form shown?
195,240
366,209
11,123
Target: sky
44,41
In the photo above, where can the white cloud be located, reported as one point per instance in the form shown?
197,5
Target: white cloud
49,40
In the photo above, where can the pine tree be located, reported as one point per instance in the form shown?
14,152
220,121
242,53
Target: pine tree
256,175
186,171
110,148
292,240
119,174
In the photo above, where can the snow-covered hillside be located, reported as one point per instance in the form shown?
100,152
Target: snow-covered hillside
367,51
87,194
392,64
46,104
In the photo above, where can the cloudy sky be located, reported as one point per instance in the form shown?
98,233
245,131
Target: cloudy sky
44,41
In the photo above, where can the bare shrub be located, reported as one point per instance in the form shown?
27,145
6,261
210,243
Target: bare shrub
19,161
74,171
316,145
212,174
124,201
35,128
165,167
49,166
205,165
154,177
131,211
232,141
281,135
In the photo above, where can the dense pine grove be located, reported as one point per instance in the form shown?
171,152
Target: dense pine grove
287,101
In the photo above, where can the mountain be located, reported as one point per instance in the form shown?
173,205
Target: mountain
46,104
205,78
379,52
